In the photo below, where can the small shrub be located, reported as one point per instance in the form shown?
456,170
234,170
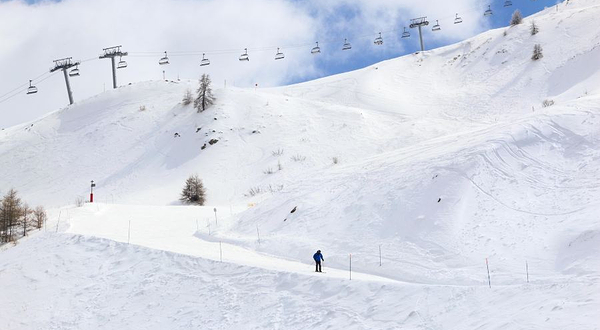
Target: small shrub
142,108
79,201
534,28
335,160
193,192
254,191
547,103
537,52
279,167
277,152
298,158
187,98
269,170
275,188
505,33
516,18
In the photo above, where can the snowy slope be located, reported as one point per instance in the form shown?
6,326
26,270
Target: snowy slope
100,284
446,158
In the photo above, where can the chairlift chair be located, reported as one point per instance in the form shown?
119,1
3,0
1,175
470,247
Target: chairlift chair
457,20
347,45
316,49
488,12
31,89
244,57
279,55
164,60
74,72
405,34
204,61
378,40
122,64
436,27
507,3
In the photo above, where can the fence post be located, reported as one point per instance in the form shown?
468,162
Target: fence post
350,266
59,212
257,233
488,271
527,270
379,255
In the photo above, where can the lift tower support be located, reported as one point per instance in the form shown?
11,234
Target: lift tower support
418,22
112,52
65,64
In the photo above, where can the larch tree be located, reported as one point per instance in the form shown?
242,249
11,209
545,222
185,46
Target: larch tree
534,28
516,18
537,52
193,192
10,212
205,97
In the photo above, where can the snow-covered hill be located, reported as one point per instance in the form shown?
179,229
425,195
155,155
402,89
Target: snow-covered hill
442,159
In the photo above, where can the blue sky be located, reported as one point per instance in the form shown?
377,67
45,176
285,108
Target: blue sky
500,18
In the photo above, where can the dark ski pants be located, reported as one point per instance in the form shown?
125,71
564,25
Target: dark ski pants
318,266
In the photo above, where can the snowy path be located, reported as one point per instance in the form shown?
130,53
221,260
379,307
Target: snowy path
173,228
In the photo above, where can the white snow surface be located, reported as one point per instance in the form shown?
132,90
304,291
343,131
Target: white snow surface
445,159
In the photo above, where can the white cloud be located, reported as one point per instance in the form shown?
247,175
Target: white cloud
34,35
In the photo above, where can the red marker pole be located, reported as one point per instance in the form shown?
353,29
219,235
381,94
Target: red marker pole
92,191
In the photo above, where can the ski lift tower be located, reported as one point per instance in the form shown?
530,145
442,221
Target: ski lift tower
65,64
418,22
112,52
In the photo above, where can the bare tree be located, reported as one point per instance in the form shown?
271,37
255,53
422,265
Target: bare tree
193,192
537,52
205,97
40,216
516,18
25,213
10,212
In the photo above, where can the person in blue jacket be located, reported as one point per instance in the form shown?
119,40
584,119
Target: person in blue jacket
318,258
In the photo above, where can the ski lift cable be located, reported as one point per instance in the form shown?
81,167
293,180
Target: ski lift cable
20,87
253,49
335,41
21,90
463,12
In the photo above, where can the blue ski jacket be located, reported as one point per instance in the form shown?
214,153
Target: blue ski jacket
318,257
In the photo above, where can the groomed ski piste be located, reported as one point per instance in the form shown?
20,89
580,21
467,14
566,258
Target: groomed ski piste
443,159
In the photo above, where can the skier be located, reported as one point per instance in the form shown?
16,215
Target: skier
318,258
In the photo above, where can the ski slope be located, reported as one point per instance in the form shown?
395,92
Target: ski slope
444,159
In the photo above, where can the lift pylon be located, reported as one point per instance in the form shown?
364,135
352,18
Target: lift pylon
112,53
65,64
418,23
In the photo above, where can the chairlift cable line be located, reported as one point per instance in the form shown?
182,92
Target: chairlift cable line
25,84
21,90
10,94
